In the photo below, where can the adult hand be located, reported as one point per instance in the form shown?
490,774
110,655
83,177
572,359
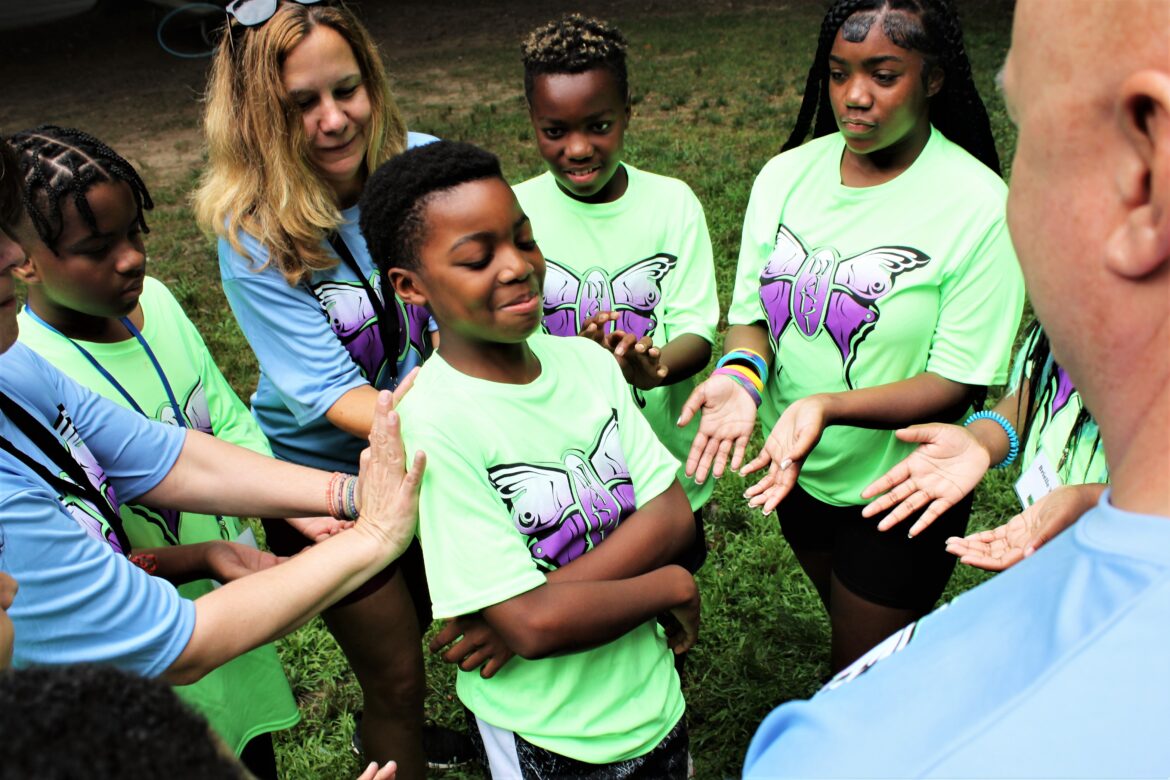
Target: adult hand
945,467
389,493
728,415
387,772
1010,543
227,561
470,642
793,437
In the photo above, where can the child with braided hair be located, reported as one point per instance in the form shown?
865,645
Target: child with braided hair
876,288
94,314
628,253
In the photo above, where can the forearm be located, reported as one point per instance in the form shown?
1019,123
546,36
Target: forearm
216,478
354,411
753,337
180,564
926,397
563,617
261,607
653,536
684,357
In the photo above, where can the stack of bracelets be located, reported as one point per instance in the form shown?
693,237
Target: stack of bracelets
1013,439
747,368
341,496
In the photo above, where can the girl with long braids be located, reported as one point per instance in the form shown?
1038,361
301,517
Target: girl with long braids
299,111
876,288
1062,463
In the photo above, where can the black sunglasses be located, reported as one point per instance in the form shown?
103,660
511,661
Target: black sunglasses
252,13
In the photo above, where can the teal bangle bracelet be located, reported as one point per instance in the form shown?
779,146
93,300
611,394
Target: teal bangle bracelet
1013,439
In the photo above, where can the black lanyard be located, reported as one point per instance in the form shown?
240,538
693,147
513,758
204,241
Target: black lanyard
51,446
385,322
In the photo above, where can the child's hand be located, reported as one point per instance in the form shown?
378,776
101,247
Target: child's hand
682,625
638,360
472,643
373,772
793,437
227,561
594,327
728,416
318,529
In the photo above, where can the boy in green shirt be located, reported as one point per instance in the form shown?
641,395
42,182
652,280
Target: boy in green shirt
537,454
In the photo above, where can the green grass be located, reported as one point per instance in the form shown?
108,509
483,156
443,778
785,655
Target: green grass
715,94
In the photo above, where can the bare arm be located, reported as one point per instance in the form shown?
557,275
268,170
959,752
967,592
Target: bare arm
354,411
549,619
684,357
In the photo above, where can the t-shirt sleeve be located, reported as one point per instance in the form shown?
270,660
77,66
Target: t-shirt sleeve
81,602
692,305
289,332
980,304
756,243
474,557
136,453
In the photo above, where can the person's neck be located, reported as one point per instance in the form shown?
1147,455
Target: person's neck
510,364
1135,431
80,326
869,170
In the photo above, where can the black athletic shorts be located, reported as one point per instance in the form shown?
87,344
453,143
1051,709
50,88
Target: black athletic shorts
884,567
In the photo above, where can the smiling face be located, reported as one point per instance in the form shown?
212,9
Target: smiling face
580,121
98,272
323,79
879,96
479,270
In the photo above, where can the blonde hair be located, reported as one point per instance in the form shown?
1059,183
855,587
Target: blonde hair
259,178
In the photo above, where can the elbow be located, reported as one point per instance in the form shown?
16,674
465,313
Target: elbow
185,672
533,640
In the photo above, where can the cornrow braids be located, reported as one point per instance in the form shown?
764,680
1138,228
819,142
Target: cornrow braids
930,27
60,162
574,44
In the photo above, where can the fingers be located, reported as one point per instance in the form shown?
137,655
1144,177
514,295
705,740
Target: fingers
886,482
706,459
741,443
620,342
932,513
757,463
447,634
404,386
387,772
690,408
721,453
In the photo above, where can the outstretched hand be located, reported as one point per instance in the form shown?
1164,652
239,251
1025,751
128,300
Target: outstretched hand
227,561
388,492
471,642
638,358
793,437
318,529
945,467
1010,543
373,772
728,416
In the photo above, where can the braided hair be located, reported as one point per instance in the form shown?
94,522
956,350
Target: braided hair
929,27
574,44
61,162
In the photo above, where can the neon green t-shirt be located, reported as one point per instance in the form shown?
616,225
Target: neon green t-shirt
249,695
522,479
647,255
1079,460
863,286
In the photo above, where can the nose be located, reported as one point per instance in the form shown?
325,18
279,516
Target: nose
517,266
578,147
856,94
131,259
332,118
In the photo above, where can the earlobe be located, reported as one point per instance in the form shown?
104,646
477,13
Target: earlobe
1140,245
406,286
27,272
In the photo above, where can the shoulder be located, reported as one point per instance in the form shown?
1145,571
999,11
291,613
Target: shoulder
22,368
795,160
532,186
659,187
952,163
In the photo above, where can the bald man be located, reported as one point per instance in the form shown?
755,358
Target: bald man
1059,667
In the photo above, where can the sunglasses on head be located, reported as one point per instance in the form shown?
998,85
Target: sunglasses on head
251,13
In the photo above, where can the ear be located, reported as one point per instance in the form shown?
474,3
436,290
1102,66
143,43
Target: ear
934,80
27,272
1141,244
407,286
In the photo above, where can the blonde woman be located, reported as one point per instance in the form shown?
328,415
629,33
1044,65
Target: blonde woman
298,113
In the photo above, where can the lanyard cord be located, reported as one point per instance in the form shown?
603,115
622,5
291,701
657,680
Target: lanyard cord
389,343
51,446
180,420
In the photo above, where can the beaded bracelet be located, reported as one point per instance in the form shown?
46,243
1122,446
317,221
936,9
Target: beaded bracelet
148,562
1013,440
341,496
351,507
745,380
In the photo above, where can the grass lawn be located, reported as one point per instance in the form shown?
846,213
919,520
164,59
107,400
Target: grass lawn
716,89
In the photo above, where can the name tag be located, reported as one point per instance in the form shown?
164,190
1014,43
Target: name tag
1037,481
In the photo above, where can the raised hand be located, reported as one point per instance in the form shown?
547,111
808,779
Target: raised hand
793,437
472,643
728,415
1010,543
388,492
945,467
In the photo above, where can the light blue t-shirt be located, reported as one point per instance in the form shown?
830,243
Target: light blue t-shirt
1055,668
317,341
80,601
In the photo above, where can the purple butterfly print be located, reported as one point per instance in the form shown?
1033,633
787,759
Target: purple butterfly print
353,320
1064,390
415,337
567,508
819,291
633,292
86,515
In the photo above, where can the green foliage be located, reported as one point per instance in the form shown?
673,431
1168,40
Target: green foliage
716,91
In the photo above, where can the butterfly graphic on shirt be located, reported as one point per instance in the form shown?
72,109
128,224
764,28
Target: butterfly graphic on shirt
354,321
633,292
88,516
820,291
566,509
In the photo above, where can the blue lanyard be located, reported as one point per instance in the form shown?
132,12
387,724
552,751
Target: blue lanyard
179,419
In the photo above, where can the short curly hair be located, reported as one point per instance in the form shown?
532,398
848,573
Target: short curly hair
574,44
393,204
